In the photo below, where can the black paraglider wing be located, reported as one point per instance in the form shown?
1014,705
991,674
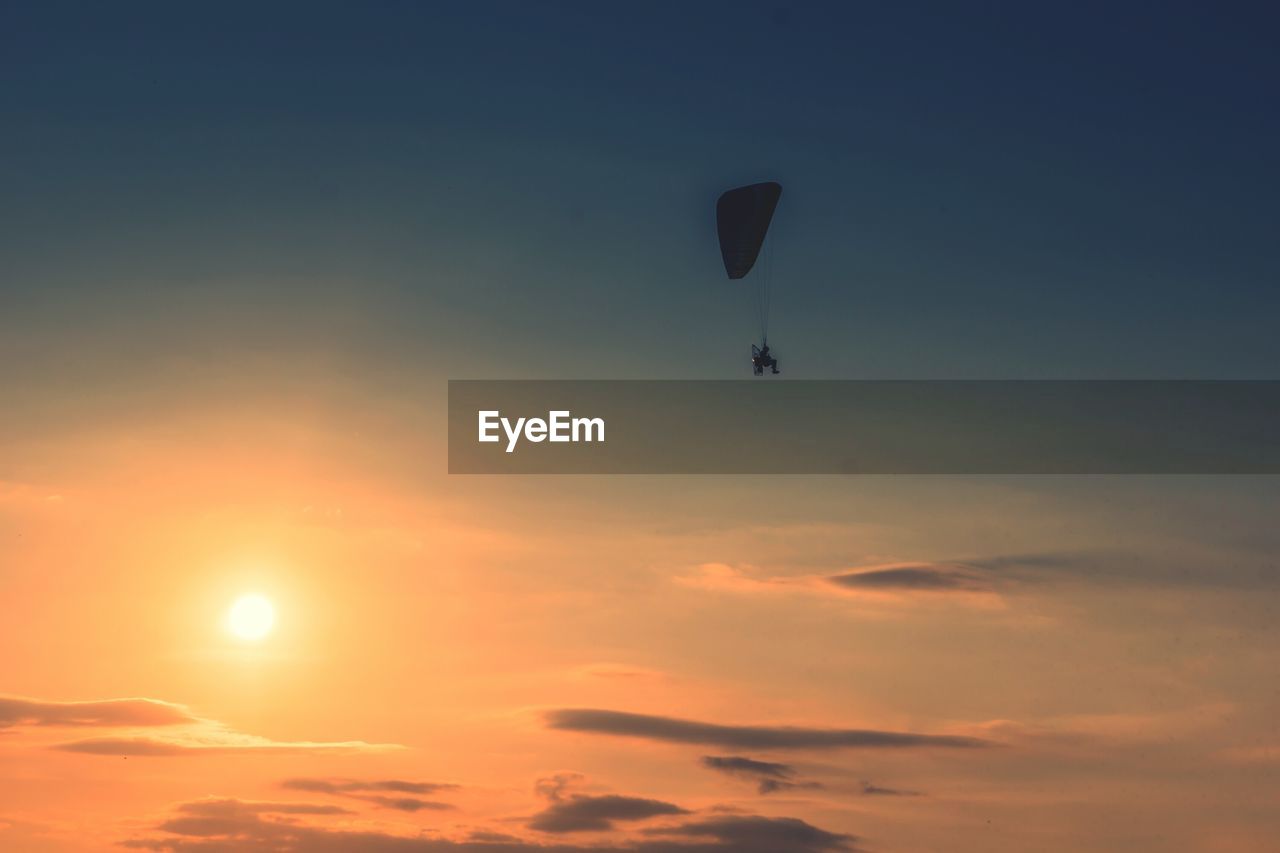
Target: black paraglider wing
742,220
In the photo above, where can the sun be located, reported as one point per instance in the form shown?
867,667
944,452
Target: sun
251,617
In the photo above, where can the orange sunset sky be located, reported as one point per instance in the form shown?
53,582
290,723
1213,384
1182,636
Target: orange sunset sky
899,663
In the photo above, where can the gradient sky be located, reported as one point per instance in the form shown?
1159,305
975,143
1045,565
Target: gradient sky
242,249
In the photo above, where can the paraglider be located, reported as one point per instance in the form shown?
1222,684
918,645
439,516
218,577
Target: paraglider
742,222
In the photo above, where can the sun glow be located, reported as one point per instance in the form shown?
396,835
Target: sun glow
251,617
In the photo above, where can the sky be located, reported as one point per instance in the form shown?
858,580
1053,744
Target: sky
242,248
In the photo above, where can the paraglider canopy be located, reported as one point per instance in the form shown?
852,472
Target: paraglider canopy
742,220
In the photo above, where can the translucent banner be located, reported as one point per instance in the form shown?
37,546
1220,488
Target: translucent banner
864,427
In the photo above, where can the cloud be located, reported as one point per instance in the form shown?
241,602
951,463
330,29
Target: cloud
374,791
406,804
209,741
617,671
886,583
570,812
975,581
755,834
215,817
494,837
19,711
869,790
768,776
1266,754
585,813
223,825
554,787
22,495
346,786
771,776
216,807
184,733
674,730
913,577
1108,731
1037,562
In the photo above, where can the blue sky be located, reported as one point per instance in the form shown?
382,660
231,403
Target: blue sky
526,189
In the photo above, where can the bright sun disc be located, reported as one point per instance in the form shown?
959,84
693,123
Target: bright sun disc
251,617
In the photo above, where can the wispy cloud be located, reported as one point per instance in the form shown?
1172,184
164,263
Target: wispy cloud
20,711
889,582
29,494
914,577
870,790
675,730
617,671
377,791
209,741
215,807
1106,731
134,721
1264,754
978,581
769,777
721,577
345,786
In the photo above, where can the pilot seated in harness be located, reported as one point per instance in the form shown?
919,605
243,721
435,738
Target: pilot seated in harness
760,359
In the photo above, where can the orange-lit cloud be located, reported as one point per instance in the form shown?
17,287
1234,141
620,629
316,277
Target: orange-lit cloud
184,733
990,575
883,583
19,711
210,742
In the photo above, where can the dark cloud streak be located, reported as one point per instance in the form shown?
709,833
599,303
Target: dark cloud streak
583,813
674,730
347,786
754,834
912,578
768,776
870,790
375,791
